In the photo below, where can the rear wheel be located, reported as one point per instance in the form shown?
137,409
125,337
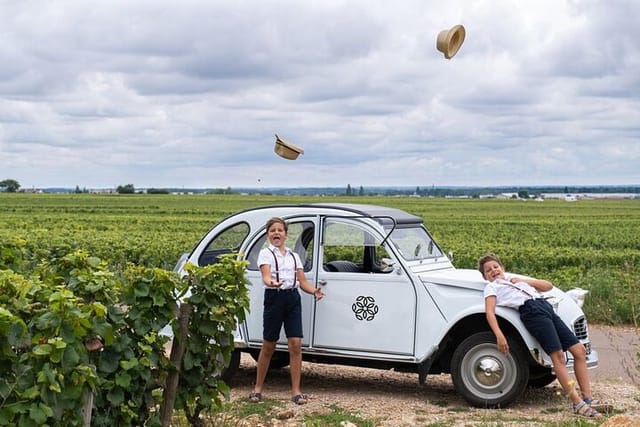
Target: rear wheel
486,377
231,370
278,361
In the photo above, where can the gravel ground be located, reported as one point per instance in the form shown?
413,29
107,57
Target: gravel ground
396,399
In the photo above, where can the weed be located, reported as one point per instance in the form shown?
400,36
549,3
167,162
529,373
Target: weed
338,416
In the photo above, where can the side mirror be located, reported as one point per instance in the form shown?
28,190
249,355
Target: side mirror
386,265
450,256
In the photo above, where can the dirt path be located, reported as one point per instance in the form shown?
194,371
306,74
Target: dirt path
397,400
618,354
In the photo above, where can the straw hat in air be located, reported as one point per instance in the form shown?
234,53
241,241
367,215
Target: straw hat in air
449,41
287,150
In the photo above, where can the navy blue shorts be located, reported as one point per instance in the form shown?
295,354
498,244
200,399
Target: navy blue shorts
281,307
546,326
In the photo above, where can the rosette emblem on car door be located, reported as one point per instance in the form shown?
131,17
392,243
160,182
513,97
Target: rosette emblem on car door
365,308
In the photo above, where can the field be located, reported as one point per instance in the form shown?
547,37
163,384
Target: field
594,244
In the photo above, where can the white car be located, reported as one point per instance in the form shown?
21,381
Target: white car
393,300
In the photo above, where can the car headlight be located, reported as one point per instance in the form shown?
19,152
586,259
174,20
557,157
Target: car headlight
577,294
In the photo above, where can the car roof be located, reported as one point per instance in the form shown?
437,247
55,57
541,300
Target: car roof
400,216
382,214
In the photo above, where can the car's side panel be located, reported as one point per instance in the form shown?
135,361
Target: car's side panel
367,312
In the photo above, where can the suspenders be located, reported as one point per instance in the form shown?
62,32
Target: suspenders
295,267
506,282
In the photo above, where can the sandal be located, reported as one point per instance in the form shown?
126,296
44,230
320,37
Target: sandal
300,399
599,405
255,397
583,409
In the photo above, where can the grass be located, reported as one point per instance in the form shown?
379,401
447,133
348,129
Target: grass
272,412
244,413
338,416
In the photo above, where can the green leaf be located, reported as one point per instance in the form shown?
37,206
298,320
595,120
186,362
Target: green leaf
99,309
141,290
129,364
48,320
55,386
42,349
70,357
31,393
108,362
115,397
159,300
123,379
17,331
56,356
39,413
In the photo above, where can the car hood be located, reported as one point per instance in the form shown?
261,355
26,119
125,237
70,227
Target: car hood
470,279
459,277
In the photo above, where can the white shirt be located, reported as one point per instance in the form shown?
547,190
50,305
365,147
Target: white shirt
286,269
510,294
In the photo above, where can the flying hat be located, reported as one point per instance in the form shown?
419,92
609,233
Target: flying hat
287,150
449,41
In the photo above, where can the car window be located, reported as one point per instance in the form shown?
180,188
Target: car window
414,243
225,242
299,239
351,248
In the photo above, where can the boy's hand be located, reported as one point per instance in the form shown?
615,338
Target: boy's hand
503,345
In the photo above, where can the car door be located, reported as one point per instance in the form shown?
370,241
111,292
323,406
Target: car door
370,302
300,239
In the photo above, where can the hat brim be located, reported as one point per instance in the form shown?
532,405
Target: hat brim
449,41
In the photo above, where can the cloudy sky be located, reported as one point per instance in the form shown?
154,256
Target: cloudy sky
190,93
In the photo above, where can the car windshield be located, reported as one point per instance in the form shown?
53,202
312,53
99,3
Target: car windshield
414,243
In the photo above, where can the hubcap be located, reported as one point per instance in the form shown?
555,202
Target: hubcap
488,371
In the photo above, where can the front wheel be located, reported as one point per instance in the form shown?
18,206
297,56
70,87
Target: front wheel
541,379
486,377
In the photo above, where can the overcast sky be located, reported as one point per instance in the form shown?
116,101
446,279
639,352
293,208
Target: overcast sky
190,93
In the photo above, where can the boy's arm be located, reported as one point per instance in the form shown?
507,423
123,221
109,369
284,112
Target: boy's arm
540,284
490,311
306,286
265,270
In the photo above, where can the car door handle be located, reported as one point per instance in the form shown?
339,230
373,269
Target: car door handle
322,282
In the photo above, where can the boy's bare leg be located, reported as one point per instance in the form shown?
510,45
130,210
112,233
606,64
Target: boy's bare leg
562,374
295,364
266,352
580,368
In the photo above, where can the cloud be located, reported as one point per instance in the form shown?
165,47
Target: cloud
159,93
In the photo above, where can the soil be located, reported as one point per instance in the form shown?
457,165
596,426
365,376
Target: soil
394,399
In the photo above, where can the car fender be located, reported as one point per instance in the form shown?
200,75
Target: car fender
511,316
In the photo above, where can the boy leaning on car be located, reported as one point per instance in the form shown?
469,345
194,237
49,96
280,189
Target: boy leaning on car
543,323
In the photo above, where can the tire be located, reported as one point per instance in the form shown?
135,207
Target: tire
278,361
234,365
484,376
541,379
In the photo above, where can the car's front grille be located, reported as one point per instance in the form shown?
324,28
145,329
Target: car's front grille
580,328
